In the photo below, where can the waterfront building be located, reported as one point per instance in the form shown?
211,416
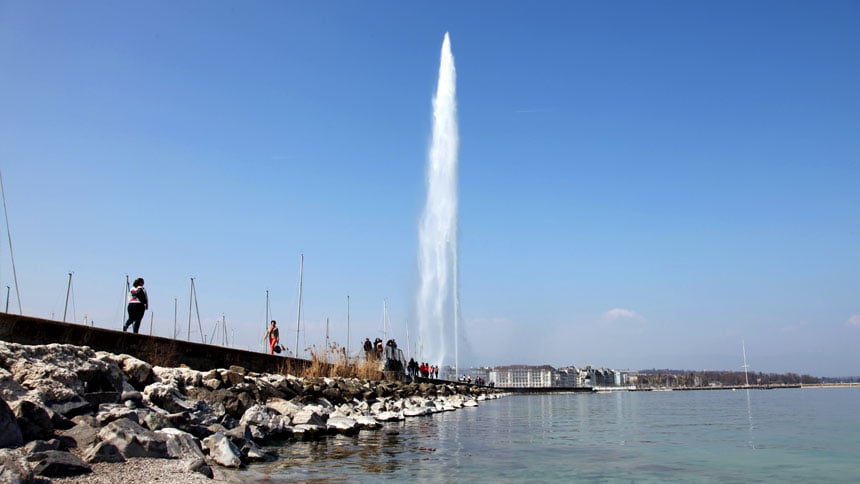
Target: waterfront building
522,376
569,377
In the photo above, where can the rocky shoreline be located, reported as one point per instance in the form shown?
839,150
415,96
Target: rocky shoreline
72,414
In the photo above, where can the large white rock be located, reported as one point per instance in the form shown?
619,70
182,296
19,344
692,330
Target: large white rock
180,444
308,416
222,451
342,424
366,422
389,416
266,419
283,407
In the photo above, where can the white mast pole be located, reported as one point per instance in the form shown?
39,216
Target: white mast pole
299,312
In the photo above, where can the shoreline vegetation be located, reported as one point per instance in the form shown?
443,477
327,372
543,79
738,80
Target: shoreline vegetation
72,414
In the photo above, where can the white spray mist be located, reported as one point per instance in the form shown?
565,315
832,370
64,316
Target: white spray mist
438,304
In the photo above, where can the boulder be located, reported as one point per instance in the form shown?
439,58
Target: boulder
167,396
308,431
132,440
58,373
41,446
266,419
234,403
238,369
308,416
110,412
70,408
139,372
181,377
212,384
387,416
104,451
181,445
33,420
416,411
14,468
367,422
222,451
283,407
155,421
254,453
10,432
240,435
342,425
231,378
56,463
201,467
10,389
133,396
83,434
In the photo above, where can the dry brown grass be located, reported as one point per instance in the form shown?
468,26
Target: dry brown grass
333,361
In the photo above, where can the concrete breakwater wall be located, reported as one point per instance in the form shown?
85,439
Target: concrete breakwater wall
154,349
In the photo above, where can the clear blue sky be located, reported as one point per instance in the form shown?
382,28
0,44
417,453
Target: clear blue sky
641,184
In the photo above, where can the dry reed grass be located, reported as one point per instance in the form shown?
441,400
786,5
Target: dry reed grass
332,361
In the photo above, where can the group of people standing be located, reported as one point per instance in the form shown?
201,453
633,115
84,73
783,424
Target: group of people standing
374,350
424,370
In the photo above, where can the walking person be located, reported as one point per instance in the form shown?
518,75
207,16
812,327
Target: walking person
273,335
138,303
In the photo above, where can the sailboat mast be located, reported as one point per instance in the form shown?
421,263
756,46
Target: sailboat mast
11,252
746,367
408,349
175,315
347,325
190,302
68,289
384,316
124,301
299,312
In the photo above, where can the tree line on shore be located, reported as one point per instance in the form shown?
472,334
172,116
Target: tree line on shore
704,378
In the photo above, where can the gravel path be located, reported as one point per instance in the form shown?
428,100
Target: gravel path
148,470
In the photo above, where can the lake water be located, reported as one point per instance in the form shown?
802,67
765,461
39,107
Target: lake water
791,435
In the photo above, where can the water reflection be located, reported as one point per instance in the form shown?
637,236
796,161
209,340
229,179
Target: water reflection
642,436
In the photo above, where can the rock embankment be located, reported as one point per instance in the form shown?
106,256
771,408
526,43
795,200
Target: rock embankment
65,410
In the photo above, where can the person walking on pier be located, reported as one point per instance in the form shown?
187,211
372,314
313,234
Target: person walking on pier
138,303
273,335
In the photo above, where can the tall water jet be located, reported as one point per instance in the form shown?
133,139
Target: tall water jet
438,304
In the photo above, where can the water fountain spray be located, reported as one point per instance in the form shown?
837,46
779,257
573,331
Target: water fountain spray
438,299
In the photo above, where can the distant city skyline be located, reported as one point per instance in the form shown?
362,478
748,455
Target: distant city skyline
640,186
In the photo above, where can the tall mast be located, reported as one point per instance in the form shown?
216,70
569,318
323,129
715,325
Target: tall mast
266,322
11,253
175,315
746,367
68,289
384,316
190,301
124,301
347,325
299,312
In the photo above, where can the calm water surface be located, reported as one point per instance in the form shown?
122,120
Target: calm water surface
798,435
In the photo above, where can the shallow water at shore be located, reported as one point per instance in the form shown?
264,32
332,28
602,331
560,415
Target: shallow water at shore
799,435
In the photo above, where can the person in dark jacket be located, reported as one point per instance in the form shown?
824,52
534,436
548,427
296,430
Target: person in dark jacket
138,303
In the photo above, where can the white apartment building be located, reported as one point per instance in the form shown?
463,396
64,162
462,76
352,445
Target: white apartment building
522,376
